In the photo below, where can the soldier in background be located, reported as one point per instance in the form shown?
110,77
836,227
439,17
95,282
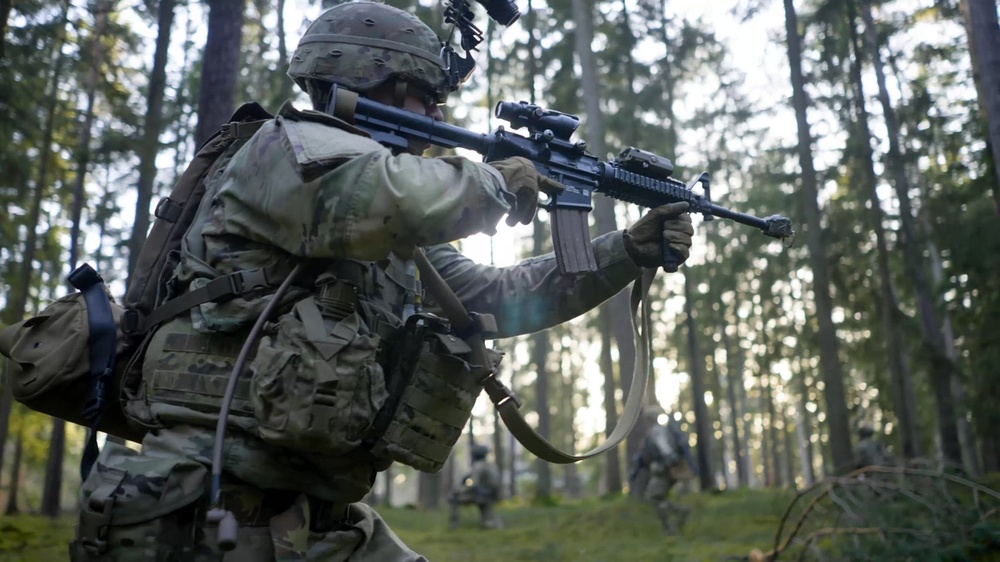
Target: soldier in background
870,451
480,487
664,459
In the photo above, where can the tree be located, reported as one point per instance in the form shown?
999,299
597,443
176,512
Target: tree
984,48
153,123
220,67
941,368
830,367
698,393
892,329
539,359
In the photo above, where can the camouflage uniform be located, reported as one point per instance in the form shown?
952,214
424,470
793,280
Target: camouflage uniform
480,487
661,463
870,451
306,187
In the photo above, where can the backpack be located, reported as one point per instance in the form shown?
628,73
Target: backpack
71,360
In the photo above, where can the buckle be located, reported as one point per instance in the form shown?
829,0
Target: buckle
84,277
498,391
168,210
229,130
130,321
94,526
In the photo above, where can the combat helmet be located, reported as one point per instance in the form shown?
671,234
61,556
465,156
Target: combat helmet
361,45
479,452
866,429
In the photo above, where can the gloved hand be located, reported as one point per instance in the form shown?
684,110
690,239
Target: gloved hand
668,224
524,182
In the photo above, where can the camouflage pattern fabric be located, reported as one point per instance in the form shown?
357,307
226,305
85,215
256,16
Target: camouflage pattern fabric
308,186
872,452
657,465
480,487
151,507
360,45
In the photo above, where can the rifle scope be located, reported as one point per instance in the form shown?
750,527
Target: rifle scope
537,119
504,12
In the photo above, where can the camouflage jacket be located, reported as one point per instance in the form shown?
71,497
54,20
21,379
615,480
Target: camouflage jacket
308,186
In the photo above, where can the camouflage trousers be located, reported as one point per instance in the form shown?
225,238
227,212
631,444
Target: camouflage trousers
139,507
672,515
488,519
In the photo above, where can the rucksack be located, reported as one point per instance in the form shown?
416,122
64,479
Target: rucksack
71,359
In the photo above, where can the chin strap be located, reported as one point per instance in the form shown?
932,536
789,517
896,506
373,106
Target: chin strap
505,400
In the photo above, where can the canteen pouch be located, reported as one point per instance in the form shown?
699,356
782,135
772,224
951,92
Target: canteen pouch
316,384
433,389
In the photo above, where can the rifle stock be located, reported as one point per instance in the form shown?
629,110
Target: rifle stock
636,176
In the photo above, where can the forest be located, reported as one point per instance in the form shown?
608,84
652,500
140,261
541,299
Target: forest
874,126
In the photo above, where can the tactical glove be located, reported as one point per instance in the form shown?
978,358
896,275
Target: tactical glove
524,182
665,226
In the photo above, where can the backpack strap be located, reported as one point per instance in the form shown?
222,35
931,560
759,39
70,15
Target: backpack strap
220,289
103,343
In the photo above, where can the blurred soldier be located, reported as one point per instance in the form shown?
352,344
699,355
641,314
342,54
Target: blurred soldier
664,459
871,452
480,487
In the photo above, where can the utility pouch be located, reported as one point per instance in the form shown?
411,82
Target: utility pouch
316,384
433,389
138,507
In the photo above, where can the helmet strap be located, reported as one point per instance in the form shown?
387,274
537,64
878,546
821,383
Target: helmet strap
399,95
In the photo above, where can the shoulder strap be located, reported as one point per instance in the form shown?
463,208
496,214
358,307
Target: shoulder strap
503,398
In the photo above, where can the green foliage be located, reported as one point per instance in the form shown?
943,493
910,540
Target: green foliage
29,537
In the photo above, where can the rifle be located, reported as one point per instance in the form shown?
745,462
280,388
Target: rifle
635,176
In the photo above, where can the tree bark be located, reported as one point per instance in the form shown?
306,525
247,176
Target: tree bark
833,378
702,431
893,335
220,67
17,304
734,376
772,430
984,48
604,215
15,479
149,147
539,358
941,368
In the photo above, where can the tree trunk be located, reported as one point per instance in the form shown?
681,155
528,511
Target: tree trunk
539,358
698,393
428,490
18,301
387,492
5,7
984,47
772,429
804,422
942,369
220,67
833,378
15,479
899,366
285,85
604,216
52,488
734,376
149,147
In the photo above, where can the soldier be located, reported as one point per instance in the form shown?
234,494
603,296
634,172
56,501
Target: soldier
871,452
663,460
480,487
308,187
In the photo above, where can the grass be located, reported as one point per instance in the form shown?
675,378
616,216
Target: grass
720,526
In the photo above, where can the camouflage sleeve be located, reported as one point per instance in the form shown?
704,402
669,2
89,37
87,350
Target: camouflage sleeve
533,295
320,192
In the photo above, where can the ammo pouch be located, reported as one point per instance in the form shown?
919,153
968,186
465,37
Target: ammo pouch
432,390
138,507
316,384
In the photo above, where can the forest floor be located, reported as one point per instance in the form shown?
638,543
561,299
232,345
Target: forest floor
721,526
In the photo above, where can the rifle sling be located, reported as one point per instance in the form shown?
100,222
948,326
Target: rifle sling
502,397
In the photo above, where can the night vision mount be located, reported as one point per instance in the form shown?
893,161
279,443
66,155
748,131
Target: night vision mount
458,68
